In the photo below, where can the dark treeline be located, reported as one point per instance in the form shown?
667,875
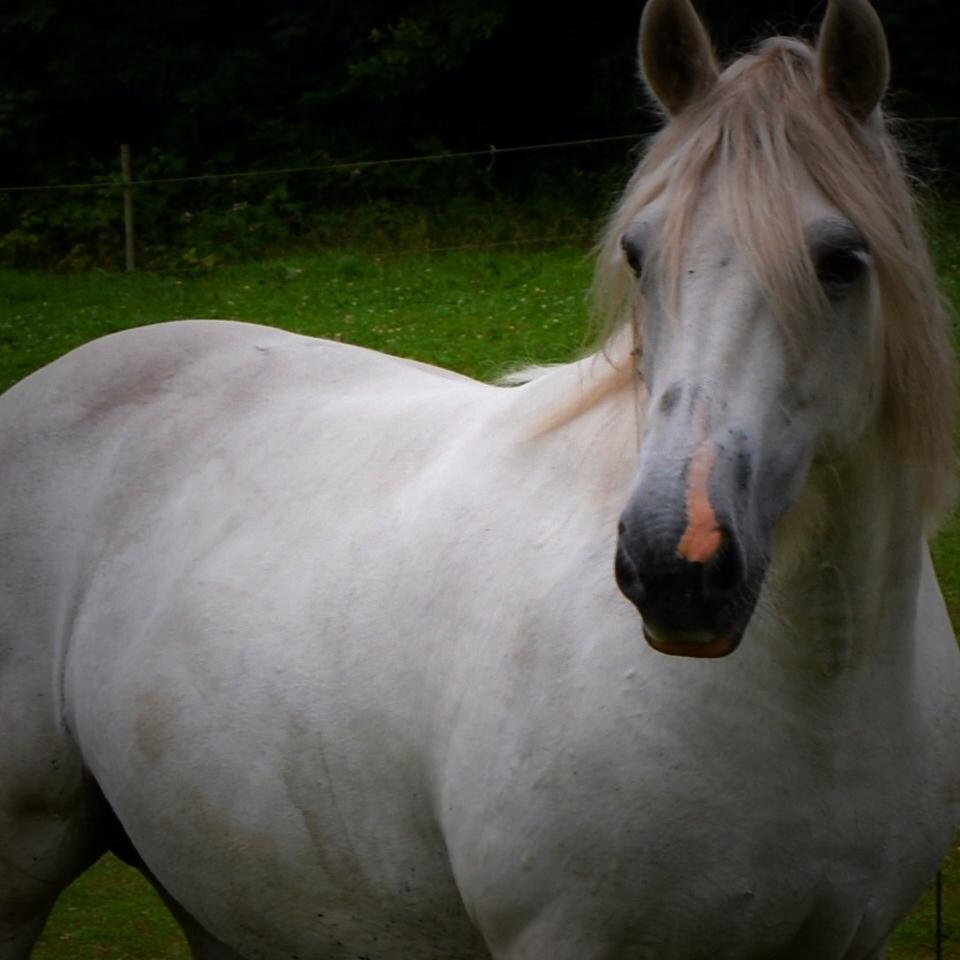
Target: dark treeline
209,85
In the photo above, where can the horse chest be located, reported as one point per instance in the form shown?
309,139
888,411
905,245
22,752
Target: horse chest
681,832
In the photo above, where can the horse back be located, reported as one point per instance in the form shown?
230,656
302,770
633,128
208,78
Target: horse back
94,445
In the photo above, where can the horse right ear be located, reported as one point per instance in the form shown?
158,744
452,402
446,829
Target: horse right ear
676,56
853,64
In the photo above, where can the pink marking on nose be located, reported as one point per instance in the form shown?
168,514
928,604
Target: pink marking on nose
702,537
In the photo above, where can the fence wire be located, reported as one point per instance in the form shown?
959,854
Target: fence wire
491,152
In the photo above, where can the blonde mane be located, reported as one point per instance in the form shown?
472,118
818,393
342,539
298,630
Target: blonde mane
764,129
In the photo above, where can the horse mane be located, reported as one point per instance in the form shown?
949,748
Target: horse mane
763,130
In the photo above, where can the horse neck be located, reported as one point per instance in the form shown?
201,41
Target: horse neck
847,586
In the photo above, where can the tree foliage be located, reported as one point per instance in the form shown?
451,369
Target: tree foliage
209,85
199,78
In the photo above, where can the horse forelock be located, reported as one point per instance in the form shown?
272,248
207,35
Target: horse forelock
763,131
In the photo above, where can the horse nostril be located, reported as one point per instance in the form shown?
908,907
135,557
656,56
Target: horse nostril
724,574
675,593
628,577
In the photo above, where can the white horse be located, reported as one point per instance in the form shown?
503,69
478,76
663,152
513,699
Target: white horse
330,644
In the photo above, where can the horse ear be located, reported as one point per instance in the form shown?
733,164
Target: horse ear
853,64
676,57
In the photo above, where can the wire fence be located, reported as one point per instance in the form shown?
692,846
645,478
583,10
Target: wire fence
124,182
492,152
126,185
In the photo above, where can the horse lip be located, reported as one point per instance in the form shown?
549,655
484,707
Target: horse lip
697,644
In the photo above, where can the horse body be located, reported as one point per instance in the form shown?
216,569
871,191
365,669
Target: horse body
157,567
331,646
308,772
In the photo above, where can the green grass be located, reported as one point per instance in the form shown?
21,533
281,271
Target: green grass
478,313
111,913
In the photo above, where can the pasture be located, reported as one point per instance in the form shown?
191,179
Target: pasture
479,313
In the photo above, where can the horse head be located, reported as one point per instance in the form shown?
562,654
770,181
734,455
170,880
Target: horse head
757,258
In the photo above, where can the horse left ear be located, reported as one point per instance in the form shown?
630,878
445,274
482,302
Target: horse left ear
853,64
676,57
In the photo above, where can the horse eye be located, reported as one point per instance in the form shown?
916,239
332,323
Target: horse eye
633,252
840,267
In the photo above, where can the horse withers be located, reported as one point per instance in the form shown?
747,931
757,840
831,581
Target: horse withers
644,658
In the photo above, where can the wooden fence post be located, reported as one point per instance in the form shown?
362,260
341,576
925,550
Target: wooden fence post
127,177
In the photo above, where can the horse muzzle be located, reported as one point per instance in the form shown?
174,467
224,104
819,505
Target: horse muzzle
682,558
689,608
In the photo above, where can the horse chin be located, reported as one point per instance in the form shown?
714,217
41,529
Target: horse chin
699,644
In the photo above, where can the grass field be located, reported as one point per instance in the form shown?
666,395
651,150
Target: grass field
476,312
